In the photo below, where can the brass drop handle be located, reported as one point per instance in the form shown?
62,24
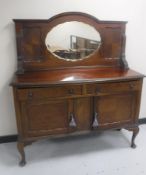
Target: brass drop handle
72,122
95,121
71,91
30,95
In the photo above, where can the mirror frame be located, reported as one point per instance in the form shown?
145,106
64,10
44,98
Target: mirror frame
67,53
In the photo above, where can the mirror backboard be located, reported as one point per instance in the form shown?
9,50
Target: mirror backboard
70,40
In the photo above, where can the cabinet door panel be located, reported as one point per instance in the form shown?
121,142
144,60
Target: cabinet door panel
45,117
115,109
83,109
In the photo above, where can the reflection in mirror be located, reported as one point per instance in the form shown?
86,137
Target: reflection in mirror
73,40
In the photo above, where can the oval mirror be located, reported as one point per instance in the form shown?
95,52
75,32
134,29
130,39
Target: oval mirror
73,40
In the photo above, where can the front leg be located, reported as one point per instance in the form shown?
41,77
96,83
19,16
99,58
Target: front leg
20,146
135,131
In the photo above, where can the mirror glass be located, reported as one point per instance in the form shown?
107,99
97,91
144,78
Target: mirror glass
73,40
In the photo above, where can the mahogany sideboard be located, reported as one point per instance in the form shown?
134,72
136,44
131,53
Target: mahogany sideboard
87,86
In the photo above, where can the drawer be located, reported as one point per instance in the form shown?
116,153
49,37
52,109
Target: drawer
49,92
113,87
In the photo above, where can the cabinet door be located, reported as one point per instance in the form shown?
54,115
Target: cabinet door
43,117
115,109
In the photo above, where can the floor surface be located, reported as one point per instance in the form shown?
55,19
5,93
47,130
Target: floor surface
105,153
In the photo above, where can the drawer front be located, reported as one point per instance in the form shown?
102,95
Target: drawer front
49,92
97,88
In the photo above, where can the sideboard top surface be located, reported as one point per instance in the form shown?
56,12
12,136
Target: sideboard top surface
66,76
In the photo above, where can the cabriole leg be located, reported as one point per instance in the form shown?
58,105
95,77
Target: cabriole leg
135,131
20,146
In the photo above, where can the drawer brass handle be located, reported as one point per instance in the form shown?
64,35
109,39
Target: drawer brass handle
71,91
30,95
131,85
72,122
95,121
97,90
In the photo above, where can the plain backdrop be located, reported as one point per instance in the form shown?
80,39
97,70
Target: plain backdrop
133,11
